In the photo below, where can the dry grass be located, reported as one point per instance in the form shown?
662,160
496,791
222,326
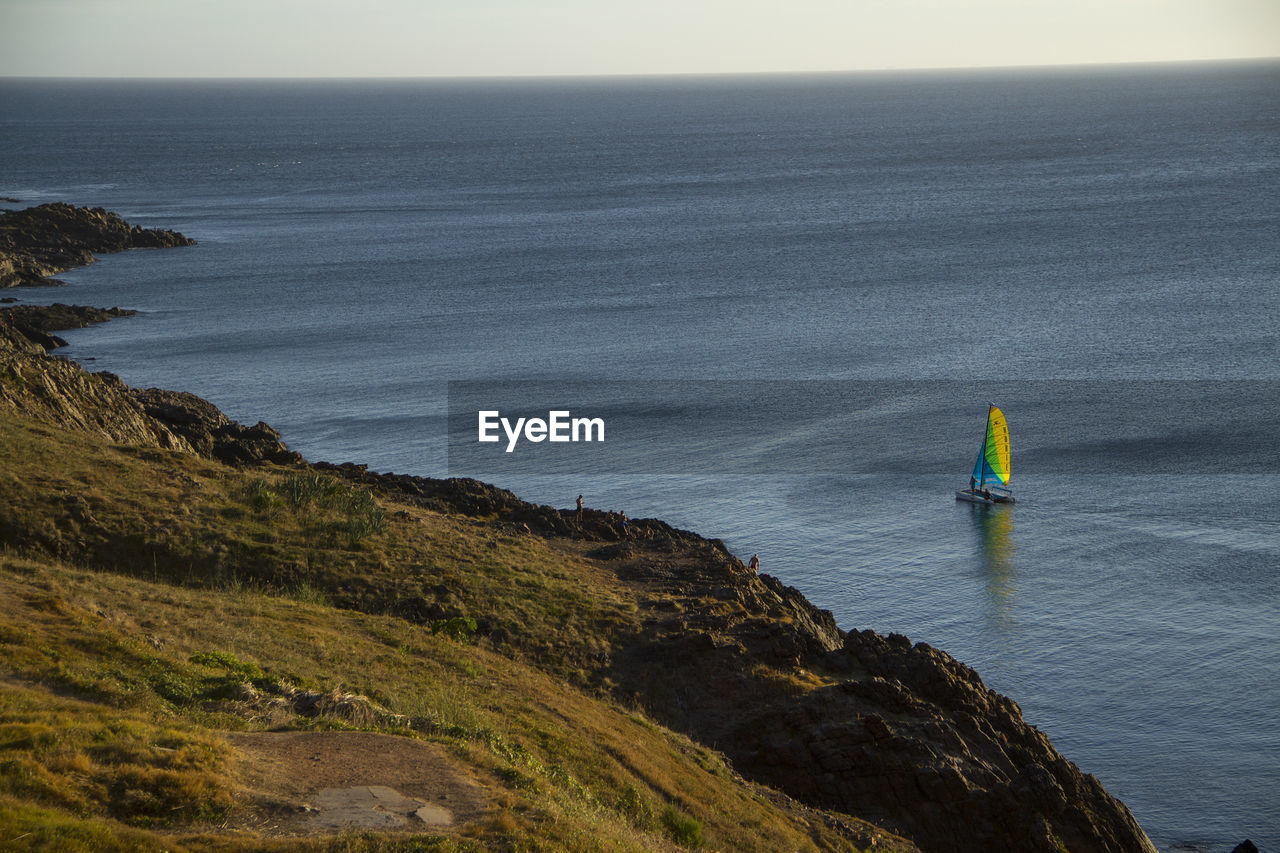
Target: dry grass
150,602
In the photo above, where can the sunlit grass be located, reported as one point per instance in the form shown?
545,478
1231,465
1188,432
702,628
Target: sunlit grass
151,602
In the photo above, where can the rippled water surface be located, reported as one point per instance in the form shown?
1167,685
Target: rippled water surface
362,245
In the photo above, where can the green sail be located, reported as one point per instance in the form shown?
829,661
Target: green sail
992,464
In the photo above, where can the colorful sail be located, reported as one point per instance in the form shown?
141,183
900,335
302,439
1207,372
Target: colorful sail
992,464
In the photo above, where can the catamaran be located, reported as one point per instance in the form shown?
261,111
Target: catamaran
989,482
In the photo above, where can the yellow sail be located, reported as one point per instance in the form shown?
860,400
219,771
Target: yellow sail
995,453
989,483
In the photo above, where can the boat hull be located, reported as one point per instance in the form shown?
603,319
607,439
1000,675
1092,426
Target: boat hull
977,497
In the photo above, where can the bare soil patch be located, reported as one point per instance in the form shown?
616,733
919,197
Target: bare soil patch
314,783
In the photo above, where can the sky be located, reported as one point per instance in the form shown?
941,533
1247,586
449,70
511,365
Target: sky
464,38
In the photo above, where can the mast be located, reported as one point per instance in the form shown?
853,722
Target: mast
986,431
979,466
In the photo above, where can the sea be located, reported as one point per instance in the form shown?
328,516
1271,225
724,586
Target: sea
790,300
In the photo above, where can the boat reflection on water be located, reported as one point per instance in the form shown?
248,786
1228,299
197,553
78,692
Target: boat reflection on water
997,549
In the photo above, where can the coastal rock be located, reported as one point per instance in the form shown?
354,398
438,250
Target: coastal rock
53,237
61,392
36,322
41,241
460,495
899,734
211,433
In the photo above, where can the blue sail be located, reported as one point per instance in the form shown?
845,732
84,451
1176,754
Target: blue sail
991,469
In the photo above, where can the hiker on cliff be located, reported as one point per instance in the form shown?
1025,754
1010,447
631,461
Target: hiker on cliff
579,515
754,565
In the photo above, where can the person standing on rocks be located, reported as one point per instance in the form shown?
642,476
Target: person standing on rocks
579,515
754,565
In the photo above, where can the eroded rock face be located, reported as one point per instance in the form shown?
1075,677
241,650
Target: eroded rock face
211,433
61,392
899,734
42,241
914,739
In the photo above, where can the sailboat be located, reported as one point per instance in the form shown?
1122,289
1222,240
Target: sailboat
989,482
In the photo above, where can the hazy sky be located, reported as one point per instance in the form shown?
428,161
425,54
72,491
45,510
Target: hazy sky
415,38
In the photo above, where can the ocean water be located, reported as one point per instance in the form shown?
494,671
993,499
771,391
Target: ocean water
793,297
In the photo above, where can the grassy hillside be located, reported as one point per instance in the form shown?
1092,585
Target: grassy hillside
157,608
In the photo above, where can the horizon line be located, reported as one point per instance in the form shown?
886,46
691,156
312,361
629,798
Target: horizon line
1099,64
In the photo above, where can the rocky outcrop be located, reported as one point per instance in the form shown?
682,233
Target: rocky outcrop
42,241
902,735
60,392
465,496
457,495
211,433
37,322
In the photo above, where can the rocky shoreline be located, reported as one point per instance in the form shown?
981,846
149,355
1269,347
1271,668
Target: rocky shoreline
874,727
42,241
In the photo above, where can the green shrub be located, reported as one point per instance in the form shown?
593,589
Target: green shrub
636,808
172,687
316,499
683,829
302,490
260,495
229,662
355,528
458,628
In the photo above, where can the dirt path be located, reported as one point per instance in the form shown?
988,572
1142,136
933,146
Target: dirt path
313,783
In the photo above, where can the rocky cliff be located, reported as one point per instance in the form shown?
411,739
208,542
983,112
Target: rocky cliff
852,722
62,393
42,241
898,734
